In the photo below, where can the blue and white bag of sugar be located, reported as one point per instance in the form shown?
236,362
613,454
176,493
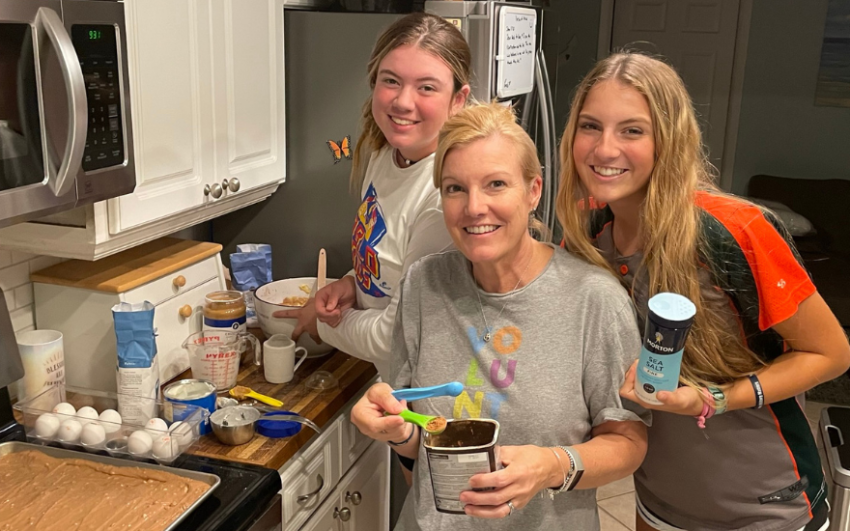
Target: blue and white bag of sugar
250,268
137,371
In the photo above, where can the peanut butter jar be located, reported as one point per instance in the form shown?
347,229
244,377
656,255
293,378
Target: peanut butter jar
225,310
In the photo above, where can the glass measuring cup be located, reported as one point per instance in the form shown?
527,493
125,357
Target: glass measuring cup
214,355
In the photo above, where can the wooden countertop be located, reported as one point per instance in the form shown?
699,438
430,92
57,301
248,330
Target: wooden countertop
126,270
353,374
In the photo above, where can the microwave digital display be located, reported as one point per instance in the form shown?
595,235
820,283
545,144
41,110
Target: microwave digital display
97,49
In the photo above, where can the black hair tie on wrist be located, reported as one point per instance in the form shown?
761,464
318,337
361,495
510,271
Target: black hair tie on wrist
757,389
402,443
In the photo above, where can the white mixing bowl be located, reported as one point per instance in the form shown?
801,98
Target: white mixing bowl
268,299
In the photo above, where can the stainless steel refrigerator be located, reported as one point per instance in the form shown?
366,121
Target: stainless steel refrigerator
326,86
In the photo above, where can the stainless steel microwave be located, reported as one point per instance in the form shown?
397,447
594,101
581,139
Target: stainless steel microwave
65,128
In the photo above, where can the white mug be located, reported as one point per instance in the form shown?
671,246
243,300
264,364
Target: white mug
279,358
43,359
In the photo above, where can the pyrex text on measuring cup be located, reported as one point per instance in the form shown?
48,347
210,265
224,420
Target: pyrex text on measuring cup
214,355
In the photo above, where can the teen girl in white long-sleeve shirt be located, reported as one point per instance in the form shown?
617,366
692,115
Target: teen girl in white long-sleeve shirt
419,73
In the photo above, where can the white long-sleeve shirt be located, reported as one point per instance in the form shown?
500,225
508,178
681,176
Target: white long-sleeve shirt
399,221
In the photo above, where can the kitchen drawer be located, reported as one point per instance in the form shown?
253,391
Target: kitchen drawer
353,443
312,476
172,328
176,283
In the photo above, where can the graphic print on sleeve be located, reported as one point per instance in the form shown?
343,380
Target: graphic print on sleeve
369,229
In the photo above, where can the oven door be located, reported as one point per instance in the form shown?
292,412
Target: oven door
42,111
100,40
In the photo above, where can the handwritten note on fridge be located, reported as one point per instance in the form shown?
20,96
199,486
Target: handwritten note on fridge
517,51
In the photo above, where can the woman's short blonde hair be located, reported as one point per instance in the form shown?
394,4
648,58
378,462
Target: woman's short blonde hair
481,121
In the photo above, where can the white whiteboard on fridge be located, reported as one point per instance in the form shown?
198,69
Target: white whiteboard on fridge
515,58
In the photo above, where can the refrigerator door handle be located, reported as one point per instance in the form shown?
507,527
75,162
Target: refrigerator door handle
65,178
550,157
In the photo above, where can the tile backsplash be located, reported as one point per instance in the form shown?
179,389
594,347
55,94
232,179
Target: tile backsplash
15,269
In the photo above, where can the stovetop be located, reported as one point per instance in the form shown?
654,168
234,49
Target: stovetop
243,495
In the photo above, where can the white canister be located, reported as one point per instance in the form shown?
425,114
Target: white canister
43,358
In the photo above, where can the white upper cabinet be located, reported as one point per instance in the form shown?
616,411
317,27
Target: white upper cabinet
248,68
208,107
169,60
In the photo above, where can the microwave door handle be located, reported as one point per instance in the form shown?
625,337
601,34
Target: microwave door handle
76,90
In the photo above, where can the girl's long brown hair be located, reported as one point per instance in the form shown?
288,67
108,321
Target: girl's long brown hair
670,227
431,33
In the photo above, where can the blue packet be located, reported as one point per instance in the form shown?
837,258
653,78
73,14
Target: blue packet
135,335
250,268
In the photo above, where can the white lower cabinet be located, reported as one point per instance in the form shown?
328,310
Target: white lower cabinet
361,500
338,482
326,518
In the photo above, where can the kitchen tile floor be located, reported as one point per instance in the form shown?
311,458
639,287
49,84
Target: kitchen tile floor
617,500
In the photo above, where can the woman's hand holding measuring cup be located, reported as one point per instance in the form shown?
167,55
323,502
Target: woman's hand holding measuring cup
528,470
683,401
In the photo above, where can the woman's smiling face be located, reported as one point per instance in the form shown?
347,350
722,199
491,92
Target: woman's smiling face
486,202
412,99
614,145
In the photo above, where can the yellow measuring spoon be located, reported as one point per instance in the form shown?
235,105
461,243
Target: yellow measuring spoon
240,392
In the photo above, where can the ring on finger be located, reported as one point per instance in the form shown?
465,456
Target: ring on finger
511,507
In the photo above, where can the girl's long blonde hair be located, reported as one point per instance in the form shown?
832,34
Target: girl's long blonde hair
478,122
432,34
670,225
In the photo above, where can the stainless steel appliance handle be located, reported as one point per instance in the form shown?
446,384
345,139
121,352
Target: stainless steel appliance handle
76,89
550,159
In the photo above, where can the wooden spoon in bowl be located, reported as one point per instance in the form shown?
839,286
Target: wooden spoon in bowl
321,274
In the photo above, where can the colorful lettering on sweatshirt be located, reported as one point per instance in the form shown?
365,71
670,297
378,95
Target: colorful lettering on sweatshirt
369,228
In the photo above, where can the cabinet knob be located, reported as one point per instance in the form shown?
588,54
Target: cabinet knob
224,184
185,311
216,191
233,184
344,514
207,190
354,498
179,281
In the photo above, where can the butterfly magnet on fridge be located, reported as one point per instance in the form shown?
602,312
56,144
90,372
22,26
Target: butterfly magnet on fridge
340,149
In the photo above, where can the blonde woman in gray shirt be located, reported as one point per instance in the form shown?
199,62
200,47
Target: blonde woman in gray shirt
540,339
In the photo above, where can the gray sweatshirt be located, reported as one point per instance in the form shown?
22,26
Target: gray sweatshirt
550,373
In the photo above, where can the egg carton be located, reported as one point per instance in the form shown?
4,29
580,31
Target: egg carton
115,424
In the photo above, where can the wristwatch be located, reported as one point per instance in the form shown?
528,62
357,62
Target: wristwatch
572,478
719,398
